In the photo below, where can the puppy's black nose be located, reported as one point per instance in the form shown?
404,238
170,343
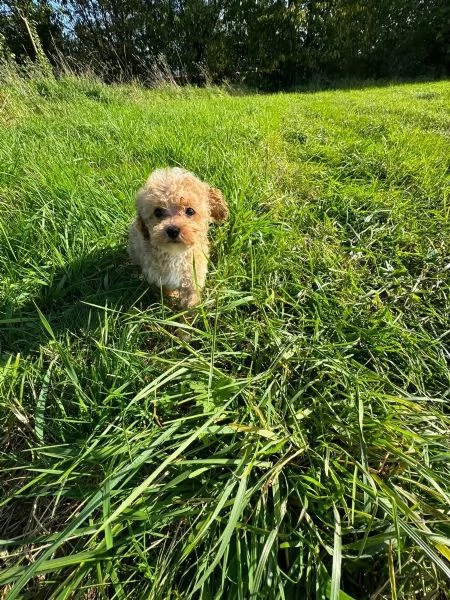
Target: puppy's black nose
173,232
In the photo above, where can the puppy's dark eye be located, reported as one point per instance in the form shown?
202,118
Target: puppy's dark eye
158,213
190,212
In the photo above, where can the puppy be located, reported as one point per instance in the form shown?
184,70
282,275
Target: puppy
169,238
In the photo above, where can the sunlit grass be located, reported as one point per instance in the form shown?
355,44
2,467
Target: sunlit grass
297,446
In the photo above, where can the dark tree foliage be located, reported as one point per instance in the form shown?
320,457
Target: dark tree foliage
120,39
274,43
382,39
23,20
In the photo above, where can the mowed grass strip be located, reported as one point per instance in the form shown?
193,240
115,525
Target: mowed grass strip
297,446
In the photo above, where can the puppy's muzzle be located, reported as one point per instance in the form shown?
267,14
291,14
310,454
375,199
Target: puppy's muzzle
173,232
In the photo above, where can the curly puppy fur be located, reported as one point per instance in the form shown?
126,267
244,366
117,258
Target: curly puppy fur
169,238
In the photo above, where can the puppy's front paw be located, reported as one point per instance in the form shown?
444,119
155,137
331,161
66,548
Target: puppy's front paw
189,298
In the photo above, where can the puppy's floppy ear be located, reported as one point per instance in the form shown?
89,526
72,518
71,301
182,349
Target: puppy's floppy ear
142,228
217,206
141,198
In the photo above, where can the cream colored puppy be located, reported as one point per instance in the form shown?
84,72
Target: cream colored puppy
169,237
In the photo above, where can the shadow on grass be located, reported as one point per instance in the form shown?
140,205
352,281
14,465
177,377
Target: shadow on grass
103,278
326,84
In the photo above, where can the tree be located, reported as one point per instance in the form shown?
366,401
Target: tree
31,29
270,43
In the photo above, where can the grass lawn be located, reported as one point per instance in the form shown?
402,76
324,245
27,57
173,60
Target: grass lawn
298,445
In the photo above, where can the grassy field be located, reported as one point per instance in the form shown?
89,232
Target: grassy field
298,445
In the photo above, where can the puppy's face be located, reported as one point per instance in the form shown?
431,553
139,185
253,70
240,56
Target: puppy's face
175,223
175,208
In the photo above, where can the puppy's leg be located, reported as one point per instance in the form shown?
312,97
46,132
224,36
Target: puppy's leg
169,293
194,281
171,297
189,297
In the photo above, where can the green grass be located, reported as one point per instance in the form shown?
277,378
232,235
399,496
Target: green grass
298,445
